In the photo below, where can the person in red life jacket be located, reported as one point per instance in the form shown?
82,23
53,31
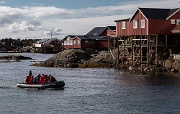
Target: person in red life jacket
43,79
29,79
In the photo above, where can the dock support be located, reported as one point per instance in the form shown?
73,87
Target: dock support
156,55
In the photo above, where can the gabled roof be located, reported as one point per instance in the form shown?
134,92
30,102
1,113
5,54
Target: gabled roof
111,27
156,13
77,36
98,37
83,37
122,20
97,31
72,36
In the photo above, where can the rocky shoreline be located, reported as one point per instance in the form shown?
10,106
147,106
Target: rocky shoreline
14,57
76,58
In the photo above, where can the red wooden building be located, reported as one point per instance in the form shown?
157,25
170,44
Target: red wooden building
149,21
96,39
148,30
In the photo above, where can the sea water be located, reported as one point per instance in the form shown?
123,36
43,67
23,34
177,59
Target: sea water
87,90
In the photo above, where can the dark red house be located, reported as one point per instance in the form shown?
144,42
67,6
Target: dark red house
78,42
96,39
149,21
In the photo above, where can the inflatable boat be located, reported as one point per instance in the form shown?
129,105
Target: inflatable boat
55,85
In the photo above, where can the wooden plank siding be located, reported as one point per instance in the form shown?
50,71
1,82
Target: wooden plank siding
102,44
138,31
87,44
77,43
159,26
120,31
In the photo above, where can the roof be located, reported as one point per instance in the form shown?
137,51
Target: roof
72,36
156,13
98,37
82,37
122,20
112,27
97,31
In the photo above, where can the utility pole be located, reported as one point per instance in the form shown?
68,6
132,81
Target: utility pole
51,37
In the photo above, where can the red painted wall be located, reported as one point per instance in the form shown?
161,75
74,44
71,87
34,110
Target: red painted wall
152,26
102,44
120,31
76,44
87,44
138,30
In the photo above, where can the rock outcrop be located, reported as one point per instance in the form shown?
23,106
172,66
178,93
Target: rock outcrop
73,58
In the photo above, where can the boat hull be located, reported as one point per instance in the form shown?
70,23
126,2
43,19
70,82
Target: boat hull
59,84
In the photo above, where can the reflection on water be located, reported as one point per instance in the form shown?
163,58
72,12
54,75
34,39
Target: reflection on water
150,78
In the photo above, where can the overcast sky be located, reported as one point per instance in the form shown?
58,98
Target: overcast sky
41,18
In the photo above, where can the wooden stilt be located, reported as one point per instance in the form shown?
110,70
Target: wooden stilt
156,55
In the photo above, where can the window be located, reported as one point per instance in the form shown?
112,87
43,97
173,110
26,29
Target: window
78,41
70,42
134,23
142,23
123,25
173,21
74,41
86,42
65,43
178,21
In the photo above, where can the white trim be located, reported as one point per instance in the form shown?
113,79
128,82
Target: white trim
121,40
138,39
123,25
135,13
70,37
173,21
143,24
135,24
177,22
173,14
143,14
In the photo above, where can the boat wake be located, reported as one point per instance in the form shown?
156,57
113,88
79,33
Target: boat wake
7,87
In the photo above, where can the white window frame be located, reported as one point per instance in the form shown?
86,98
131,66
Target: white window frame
71,42
173,21
178,22
135,23
123,24
74,41
65,42
142,23
78,42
